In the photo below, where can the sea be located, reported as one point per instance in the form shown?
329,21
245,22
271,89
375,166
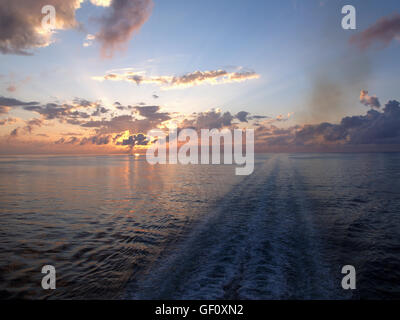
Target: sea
116,227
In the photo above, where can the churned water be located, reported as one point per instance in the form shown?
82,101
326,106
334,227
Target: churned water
117,227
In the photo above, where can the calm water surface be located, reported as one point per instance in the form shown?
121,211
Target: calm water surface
116,227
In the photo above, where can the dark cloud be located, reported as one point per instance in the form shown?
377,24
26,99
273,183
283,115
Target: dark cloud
83,103
121,20
51,110
242,116
116,124
99,111
73,121
121,107
70,140
257,117
147,111
14,133
11,102
374,128
152,118
151,112
28,128
60,141
216,119
97,140
209,120
70,113
135,140
384,31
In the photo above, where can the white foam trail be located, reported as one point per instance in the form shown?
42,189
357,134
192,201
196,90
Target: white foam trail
259,242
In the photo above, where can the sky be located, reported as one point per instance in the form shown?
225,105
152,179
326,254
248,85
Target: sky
110,70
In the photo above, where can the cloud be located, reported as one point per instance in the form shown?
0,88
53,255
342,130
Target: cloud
70,140
211,77
135,140
374,128
52,110
11,102
215,118
369,101
192,79
152,119
151,112
7,103
384,31
209,120
121,20
28,128
97,140
21,23
257,117
100,111
78,102
242,116
71,113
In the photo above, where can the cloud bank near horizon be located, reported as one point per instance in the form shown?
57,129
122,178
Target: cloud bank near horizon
123,128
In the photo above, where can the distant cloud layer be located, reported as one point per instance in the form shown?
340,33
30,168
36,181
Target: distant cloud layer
119,127
21,23
384,31
192,79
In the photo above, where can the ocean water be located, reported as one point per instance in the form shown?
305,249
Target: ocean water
115,227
